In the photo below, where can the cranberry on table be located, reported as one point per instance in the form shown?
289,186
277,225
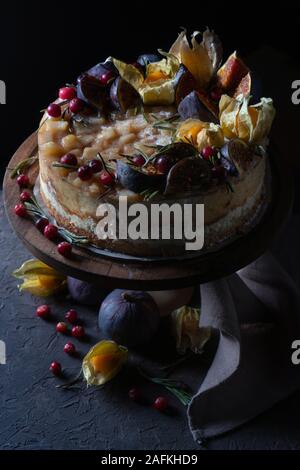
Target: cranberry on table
55,368
20,210
95,165
84,173
163,164
23,181
208,152
64,249
43,311
41,224
138,160
62,327
54,110
69,159
50,231
160,404
78,331
106,178
69,348
135,394
71,316
76,105
67,93
106,77
25,196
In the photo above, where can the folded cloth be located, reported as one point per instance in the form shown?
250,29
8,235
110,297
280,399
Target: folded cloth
256,312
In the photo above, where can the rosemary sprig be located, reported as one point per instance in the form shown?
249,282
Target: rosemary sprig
64,165
164,126
178,388
36,212
24,164
229,187
106,165
149,193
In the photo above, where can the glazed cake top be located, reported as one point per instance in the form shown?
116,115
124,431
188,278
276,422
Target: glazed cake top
167,124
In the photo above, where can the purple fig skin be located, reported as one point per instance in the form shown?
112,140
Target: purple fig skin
192,107
86,293
131,318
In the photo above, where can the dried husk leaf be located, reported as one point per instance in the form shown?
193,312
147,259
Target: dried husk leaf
189,335
248,123
158,92
212,136
39,279
266,115
104,349
195,58
229,110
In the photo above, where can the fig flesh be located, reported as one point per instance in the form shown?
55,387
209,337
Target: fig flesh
192,106
123,96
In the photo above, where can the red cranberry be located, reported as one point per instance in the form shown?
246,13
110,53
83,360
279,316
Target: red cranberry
71,316
95,165
69,348
76,105
106,178
41,224
78,331
67,93
20,210
84,173
160,404
43,311
54,110
50,231
55,368
69,159
163,164
25,196
135,394
64,249
106,77
207,152
138,160
62,327
23,181
216,94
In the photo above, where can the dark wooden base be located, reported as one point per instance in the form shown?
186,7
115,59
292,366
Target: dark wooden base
153,276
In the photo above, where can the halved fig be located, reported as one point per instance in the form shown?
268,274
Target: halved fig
188,175
231,73
98,70
137,180
244,87
184,83
192,106
123,96
238,153
91,91
178,150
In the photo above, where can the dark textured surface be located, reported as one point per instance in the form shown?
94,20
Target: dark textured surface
36,415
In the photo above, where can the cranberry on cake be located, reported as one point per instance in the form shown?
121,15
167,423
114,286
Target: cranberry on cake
175,126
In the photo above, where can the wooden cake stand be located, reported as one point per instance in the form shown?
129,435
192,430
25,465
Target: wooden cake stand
164,274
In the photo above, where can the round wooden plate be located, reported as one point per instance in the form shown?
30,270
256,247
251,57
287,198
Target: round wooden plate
153,276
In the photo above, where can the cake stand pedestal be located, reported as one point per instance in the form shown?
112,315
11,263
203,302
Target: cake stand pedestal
165,274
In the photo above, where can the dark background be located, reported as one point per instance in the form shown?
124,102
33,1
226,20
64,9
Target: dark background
44,45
